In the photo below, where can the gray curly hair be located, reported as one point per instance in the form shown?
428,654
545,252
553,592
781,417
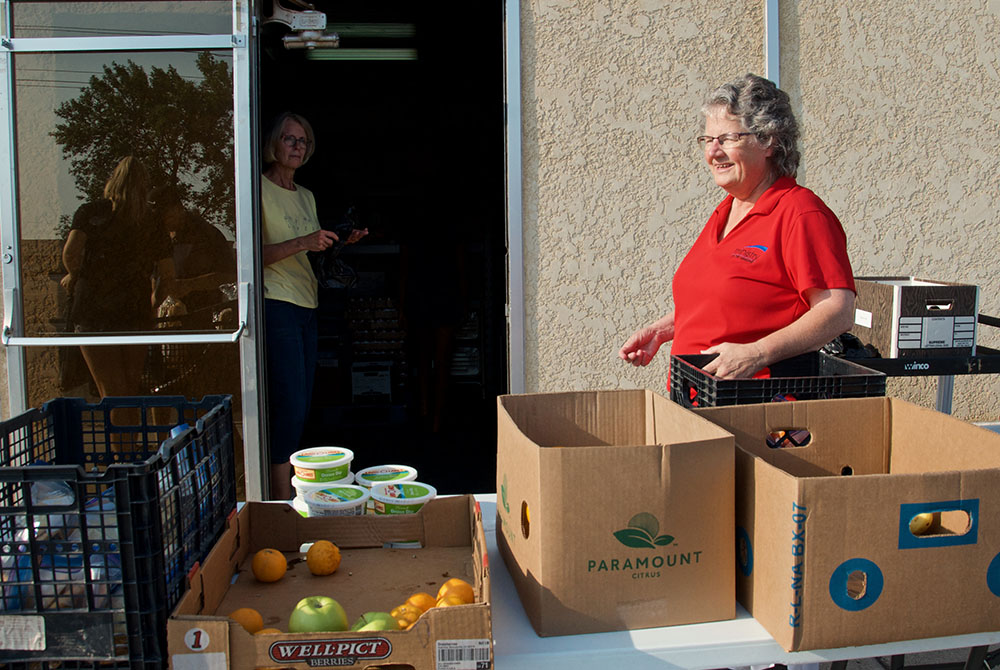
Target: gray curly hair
766,111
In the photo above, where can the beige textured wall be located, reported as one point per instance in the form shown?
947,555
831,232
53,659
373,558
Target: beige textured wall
899,138
614,191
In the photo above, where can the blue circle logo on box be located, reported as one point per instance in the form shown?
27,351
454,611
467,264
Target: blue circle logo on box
993,576
874,581
744,551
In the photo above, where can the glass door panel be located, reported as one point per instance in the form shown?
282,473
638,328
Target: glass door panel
125,192
93,19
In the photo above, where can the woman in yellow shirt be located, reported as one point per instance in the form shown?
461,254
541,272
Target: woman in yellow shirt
290,230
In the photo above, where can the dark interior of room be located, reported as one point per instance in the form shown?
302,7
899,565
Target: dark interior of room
413,150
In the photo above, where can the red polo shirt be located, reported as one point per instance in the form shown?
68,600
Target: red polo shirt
752,282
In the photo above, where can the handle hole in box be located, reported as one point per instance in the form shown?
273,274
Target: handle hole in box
789,438
947,522
857,584
525,520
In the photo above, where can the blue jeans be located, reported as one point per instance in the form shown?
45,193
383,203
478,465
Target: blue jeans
292,337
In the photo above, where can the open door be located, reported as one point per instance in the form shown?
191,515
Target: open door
407,105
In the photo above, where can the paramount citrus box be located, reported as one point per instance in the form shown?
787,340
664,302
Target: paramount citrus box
614,511
826,491
373,576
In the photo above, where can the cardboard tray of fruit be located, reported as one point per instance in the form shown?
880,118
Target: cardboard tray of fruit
262,600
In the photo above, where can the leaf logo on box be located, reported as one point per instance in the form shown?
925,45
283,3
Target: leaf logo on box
327,653
503,495
642,531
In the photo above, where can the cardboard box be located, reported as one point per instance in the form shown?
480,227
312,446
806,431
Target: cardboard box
825,553
614,511
908,317
371,577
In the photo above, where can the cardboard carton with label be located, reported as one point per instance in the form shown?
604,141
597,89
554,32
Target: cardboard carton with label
864,521
374,576
614,511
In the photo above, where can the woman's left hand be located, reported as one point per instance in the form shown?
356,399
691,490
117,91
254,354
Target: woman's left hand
356,234
735,361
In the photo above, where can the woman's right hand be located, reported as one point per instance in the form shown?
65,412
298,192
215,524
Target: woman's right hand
321,240
645,342
641,347
67,282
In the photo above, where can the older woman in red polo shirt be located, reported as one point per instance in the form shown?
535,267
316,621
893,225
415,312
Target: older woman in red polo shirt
769,277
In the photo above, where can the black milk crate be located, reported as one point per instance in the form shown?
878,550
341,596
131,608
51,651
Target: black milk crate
811,376
104,510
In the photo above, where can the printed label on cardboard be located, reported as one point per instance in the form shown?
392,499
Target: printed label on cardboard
22,632
464,654
643,532
330,653
213,661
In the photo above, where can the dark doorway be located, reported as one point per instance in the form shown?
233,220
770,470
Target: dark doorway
413,340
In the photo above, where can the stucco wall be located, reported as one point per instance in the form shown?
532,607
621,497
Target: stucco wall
897,138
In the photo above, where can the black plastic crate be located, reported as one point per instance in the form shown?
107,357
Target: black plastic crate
811,376
103,513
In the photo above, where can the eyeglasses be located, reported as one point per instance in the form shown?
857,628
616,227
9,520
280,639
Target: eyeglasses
725,139
290,141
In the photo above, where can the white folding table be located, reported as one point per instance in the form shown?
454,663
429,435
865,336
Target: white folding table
720,644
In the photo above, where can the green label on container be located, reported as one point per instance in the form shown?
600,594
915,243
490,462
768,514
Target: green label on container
336,495
391,508
403,491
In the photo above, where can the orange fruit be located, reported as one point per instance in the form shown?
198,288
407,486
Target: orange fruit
269,565
407,617
450,599
268,631
249,618
323,557
400,609
458,587
422,601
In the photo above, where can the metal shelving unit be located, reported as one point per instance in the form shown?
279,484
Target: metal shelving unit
986,361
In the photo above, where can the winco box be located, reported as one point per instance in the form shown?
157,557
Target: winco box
615,511
905,317
371,578
826,556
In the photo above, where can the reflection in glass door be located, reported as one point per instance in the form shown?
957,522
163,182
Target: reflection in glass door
125,250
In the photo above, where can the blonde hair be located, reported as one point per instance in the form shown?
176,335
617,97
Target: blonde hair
128,188
274,136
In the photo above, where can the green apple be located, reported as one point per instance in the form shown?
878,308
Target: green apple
375,621
316,614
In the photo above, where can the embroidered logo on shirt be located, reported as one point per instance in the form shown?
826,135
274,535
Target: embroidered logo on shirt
750,253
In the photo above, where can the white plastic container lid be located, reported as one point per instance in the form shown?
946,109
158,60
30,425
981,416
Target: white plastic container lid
322,464
385,474
343,498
